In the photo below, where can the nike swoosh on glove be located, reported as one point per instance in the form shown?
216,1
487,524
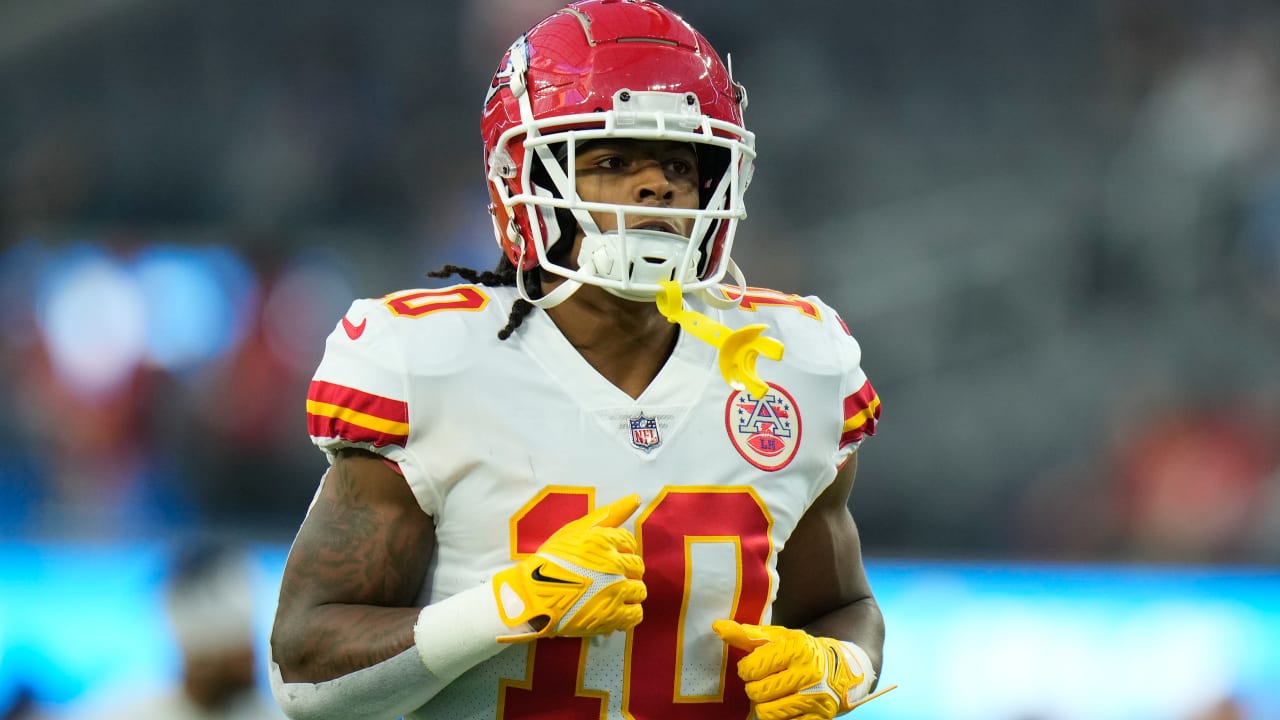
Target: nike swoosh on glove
792,675
584,580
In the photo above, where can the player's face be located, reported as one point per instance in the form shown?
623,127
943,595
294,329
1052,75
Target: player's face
655,173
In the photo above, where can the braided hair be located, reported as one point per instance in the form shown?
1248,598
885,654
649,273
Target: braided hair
503,275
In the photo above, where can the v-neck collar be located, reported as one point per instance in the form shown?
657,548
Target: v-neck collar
679,381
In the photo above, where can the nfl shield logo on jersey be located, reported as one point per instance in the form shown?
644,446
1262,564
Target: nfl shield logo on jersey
644,433
766,432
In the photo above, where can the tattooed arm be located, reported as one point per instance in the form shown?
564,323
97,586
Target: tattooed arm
350,586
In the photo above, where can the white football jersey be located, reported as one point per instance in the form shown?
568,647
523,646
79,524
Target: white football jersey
503,442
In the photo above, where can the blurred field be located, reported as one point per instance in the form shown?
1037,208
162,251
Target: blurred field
968,641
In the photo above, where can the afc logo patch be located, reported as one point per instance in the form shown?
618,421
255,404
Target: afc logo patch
644,433
766,431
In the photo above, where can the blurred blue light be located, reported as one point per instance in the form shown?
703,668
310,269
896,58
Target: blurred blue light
92,316
20,266
195,300
240,283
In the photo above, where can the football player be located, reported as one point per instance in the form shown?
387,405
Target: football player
565,488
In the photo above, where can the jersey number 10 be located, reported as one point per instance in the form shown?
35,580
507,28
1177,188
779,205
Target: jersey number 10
666,531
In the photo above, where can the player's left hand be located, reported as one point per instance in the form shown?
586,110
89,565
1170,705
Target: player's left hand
792,675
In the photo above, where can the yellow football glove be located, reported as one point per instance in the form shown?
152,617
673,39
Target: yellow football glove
792,675
584,580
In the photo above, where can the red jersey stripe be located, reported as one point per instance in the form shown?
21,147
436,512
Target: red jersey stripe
861,411
860,400
337,411
359,401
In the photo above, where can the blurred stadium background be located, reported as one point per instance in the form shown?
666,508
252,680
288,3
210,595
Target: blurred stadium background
1054,227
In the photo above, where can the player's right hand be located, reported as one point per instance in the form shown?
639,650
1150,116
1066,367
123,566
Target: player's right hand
584,580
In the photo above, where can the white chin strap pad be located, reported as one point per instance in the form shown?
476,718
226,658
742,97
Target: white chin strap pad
638,257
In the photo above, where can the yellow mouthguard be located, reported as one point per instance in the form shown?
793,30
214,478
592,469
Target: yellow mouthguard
738,348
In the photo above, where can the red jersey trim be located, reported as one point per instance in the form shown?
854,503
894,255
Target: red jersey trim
861,411
337,411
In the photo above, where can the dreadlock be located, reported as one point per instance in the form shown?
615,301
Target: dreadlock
503,275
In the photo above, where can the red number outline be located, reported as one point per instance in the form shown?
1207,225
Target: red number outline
418,303
755,297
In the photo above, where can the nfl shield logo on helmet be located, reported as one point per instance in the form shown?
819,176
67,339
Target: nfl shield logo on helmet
644,433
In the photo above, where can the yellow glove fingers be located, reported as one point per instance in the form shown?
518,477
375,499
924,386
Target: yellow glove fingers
786,664
617,512
633,591
773,649
628,612
615,607
779,684
798,707
600,549
631,565
611,515
743,637
620,540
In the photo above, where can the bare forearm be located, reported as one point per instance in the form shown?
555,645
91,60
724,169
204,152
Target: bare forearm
860,623
348,595
334,640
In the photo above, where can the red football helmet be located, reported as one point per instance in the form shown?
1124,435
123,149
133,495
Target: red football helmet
613,69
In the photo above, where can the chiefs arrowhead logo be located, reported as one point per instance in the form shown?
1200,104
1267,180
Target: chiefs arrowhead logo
354,331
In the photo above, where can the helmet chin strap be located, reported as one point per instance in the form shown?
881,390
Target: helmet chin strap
551,299
718,300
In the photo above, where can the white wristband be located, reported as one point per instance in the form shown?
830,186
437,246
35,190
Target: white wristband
857,655
460,632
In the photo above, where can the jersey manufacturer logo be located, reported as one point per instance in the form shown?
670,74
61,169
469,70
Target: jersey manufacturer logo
354,331
766,431
644,432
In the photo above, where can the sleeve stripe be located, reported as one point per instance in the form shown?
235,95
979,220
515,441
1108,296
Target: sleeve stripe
337,411
862,410
861,400
355,417
870,414
362,402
